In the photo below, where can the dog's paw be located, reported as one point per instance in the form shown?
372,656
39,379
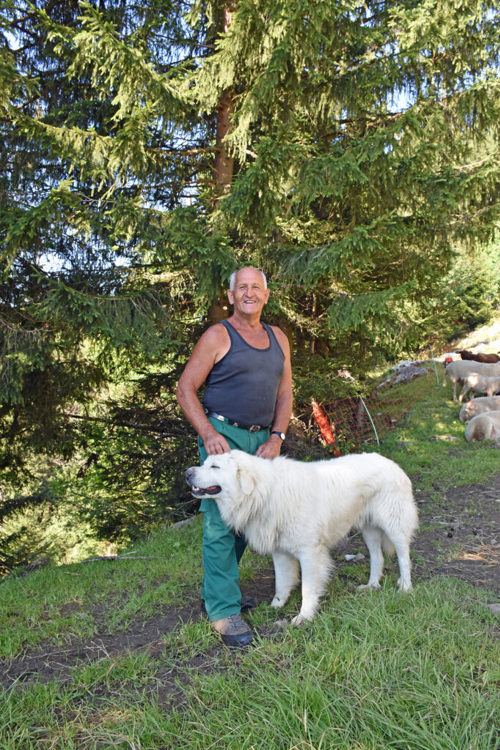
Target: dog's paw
301,620
404,587
363,586
278,602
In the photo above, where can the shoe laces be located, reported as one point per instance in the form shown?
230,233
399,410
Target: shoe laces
237,623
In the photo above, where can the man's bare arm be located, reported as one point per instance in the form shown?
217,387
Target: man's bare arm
206,352
284,402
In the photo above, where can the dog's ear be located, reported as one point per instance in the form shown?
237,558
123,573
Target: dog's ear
246,480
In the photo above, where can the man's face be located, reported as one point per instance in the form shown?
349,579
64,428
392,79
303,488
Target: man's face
248,295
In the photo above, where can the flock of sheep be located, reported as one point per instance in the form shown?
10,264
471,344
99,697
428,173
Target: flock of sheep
476,374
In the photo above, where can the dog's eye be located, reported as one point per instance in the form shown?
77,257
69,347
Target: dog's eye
214,466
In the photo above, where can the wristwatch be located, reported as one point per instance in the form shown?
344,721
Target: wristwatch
277,432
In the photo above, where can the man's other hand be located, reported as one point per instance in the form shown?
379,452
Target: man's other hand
271,448
216,444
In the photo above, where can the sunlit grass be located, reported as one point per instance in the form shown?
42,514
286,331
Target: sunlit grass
430,445
156,573
374,670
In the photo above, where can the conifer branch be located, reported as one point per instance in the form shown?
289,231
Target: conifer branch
171,430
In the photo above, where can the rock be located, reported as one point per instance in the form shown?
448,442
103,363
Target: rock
495,608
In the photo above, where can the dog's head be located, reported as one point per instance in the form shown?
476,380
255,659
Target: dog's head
224,476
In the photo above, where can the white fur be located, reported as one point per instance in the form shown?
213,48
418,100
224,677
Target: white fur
483,427
479,406
297,511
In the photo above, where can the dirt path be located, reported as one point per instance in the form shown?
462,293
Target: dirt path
461,538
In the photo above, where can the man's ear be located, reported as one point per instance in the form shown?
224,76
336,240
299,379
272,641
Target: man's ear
246,480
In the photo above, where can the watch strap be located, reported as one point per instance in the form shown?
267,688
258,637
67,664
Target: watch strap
277,432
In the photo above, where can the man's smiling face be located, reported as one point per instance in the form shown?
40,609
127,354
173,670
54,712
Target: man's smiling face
249,294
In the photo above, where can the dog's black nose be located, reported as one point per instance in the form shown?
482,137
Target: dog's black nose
189,472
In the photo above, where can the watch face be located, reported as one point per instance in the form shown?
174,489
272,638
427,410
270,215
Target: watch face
281,434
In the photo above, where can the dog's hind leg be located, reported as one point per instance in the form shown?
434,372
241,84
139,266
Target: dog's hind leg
286,573
403,552
399,540
373,540
315,565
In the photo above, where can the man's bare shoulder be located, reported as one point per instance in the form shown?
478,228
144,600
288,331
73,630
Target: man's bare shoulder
214,342
216,334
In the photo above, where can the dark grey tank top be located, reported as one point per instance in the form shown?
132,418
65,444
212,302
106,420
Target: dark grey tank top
243,385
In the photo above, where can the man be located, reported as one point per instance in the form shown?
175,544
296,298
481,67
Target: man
247,404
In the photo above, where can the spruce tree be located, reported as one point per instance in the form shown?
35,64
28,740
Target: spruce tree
351,150
335,144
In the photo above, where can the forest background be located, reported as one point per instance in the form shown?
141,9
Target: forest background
148,149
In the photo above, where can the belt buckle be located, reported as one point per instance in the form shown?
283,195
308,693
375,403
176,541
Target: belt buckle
254,428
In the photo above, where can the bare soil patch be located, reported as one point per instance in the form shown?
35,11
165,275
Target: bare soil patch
460,537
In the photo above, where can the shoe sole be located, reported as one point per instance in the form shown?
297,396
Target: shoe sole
235,641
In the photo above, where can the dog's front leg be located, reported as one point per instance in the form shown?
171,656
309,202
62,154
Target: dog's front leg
286,574
315,568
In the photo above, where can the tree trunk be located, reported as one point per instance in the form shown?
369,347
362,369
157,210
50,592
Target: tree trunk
224,161
223,168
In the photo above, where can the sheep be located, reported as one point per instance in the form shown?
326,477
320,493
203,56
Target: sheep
479,384
483,427
478,406
456,372
479,356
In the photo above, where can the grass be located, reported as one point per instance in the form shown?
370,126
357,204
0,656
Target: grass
372,671
375,670
430,445
372,674
158,573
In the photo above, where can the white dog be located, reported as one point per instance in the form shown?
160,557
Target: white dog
297,511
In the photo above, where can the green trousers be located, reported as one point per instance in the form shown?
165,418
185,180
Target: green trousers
222,548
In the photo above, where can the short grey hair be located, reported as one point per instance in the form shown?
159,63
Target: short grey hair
232,278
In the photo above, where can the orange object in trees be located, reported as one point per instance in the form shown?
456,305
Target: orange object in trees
325,427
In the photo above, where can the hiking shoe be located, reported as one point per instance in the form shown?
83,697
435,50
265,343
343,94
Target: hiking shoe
247,603
234,631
